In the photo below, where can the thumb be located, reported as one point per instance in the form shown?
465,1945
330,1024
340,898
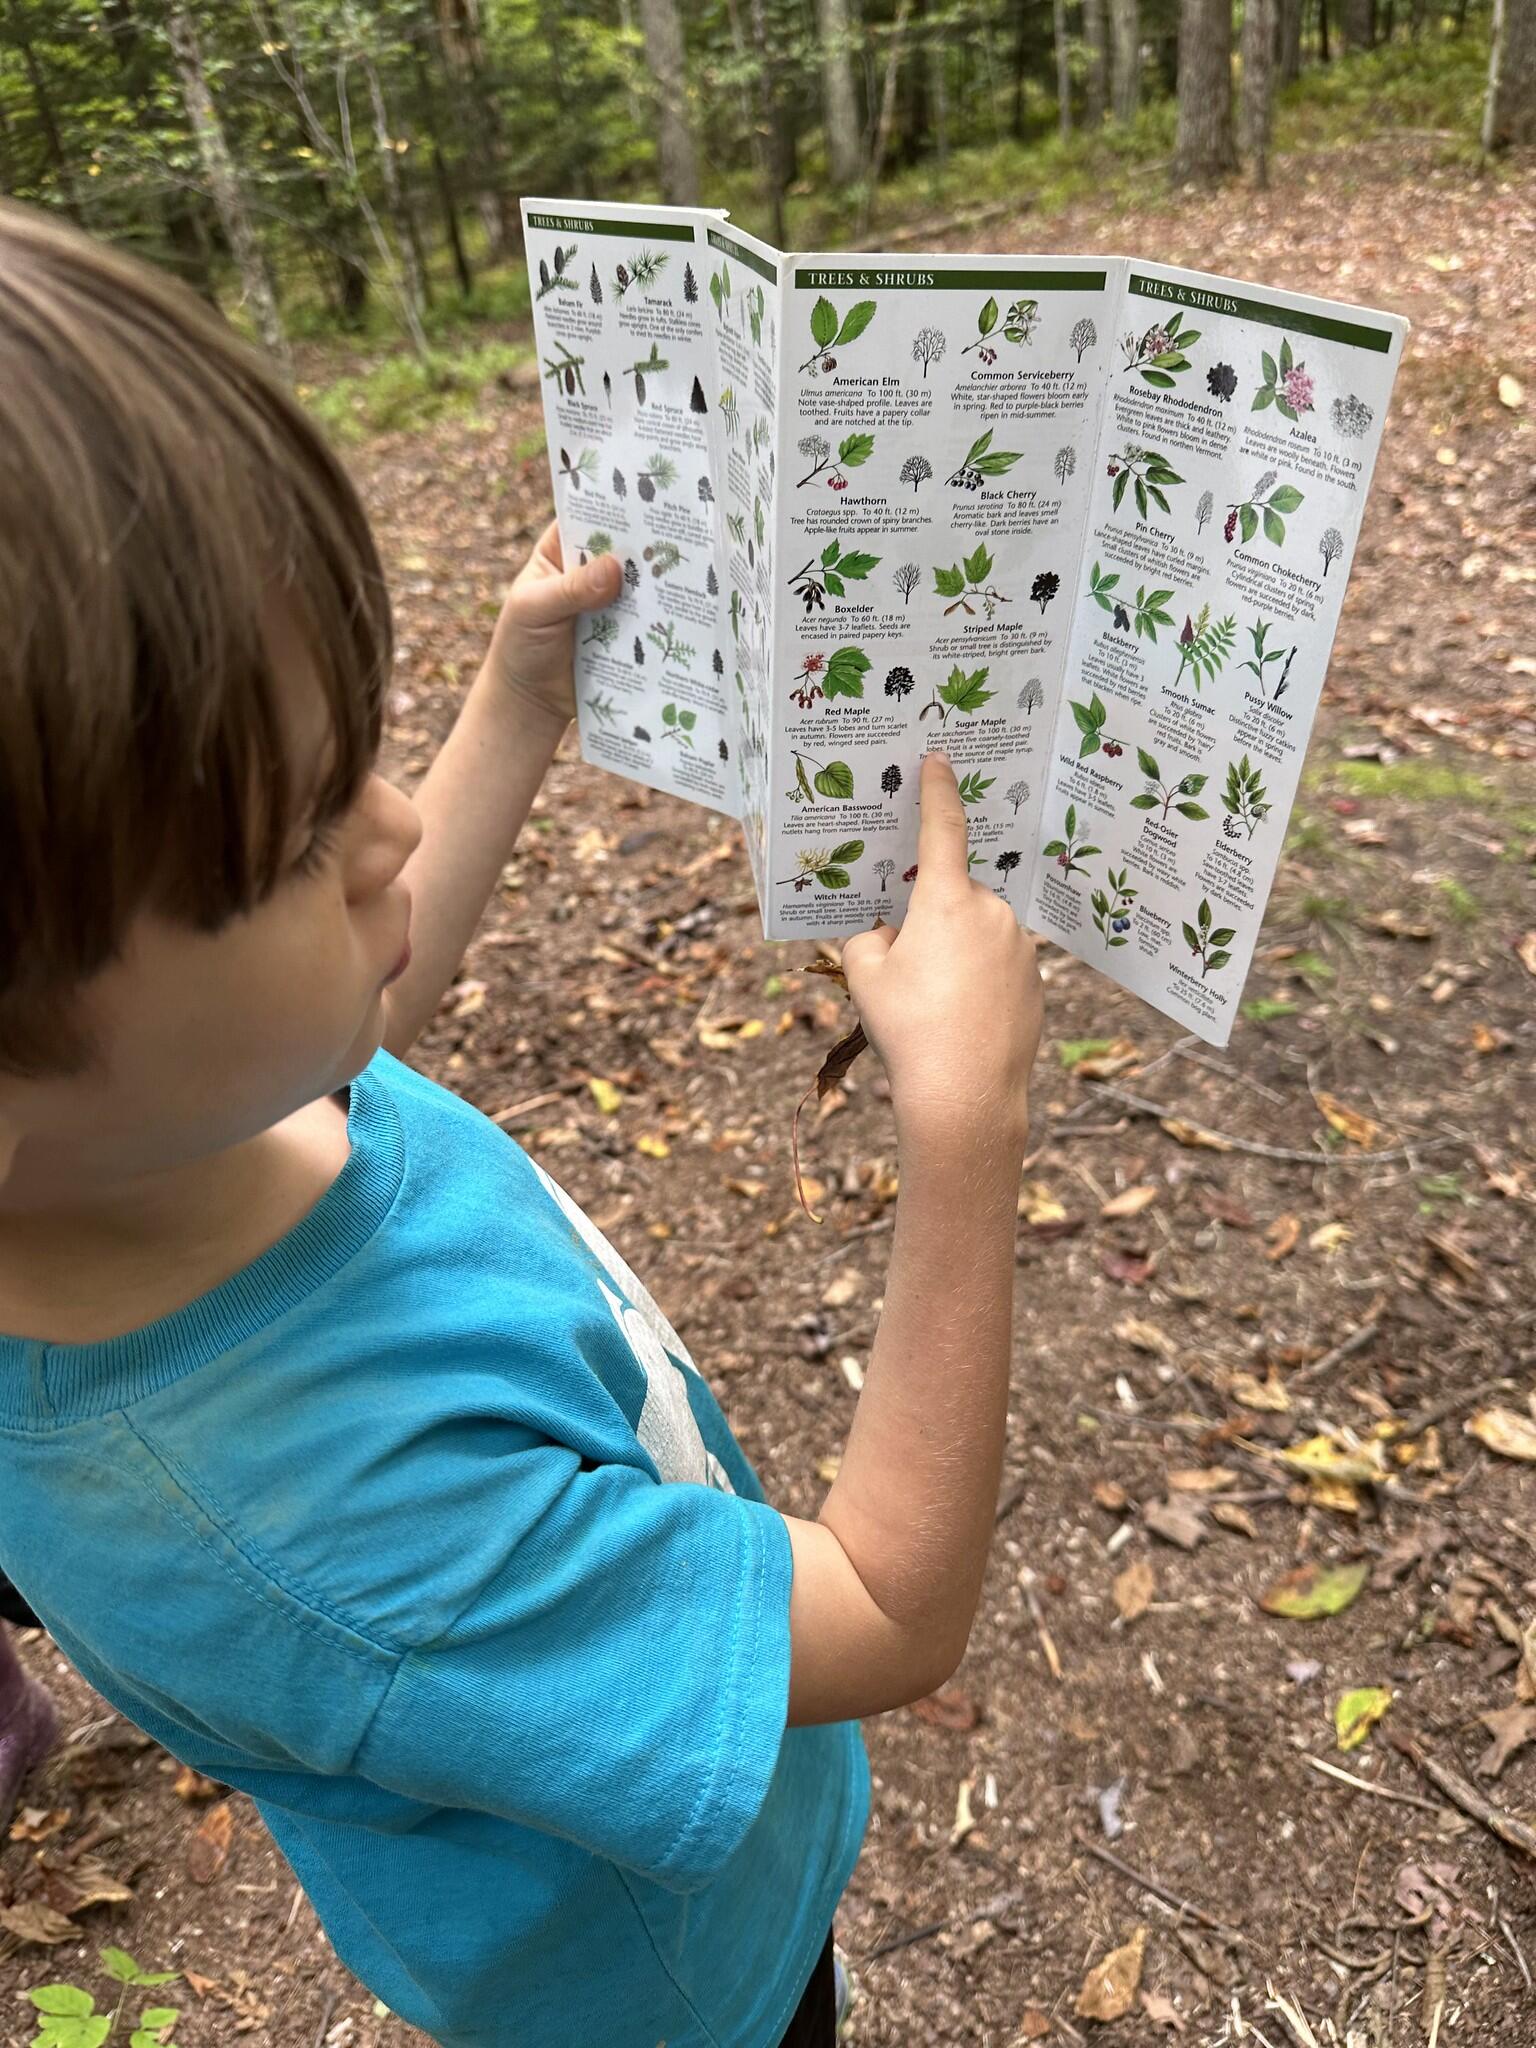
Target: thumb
547,600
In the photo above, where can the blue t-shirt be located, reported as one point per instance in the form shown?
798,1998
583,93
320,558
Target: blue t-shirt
424,1531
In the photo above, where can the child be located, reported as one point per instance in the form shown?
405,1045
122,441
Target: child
337,1449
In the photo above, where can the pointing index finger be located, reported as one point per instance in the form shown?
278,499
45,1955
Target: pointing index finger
942,839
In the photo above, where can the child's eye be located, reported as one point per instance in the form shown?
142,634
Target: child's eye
313,858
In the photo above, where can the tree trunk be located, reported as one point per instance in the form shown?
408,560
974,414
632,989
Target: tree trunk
1258,72
1289,42
1204,152
770,117
442,178
1021,23
1323,51
1063,65
1095,35
42,99
1509,113
839,100
399,208
938,94
224,184
1420,17
475,111
633,98
674,134
887,115
1125,58
1355,24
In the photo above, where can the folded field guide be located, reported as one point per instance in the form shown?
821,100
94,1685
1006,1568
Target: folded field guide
1083,522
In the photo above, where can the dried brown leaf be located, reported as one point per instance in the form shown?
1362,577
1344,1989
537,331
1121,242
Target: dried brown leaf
208,1850
951,1708
1134,1588
1109,1989
1282,1237
33,1921
1511,1728
1176,1521
1193,1135
1130,1201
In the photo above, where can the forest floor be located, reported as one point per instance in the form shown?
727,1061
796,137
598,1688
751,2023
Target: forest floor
1347,1247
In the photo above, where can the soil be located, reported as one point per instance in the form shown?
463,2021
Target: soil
1178,1741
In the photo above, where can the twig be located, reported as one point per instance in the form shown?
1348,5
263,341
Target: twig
1009,1500
1158,1891
987,1911
1509,1935
1439,1411
1289,1153
848,1237
1200,1059
1355,1341
1515,1833
333,1999
1365,1785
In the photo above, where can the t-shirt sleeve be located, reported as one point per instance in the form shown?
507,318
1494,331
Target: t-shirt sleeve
620,1676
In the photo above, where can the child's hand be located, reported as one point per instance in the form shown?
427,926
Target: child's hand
533,648
952,1001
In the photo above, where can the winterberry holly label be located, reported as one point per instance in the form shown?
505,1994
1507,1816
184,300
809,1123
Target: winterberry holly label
1083,523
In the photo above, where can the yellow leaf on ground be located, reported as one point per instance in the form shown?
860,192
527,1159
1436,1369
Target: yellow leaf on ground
1511,392
1525,952
1038,1205
965,1820
1321,1458
1133,1589
1110,1987
1130,1202
1192,1134
1503,1430
1313,1590
1349,1123
604,1094
1358,1712
1329,1237
653,1146
828,1468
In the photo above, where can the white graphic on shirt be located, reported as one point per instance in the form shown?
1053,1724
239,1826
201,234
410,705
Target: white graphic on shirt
667,1429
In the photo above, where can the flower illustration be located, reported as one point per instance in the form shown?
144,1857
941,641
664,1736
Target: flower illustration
1297,385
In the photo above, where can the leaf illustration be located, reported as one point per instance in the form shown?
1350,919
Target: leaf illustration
965,693
1147,765
835,780
855,449
1213,960
823,322
1191,811
1271,374
997,463
974,787
857,565
1274,527
1249,520
979,564
829,553
855,320
977,447
833,878
1286,499
850,850
835,584
846,672
1148,802
988,319
948,582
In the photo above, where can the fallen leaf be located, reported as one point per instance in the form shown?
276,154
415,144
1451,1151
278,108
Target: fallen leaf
1503,1430
828,1468
965,1820
1033,2024
1511,1728
1266,1395
193,1786
1314,1590
1511,392
1525,952
749,1190
1110,1987
208,1851
1130,1201
843,1287
1131,1269
1231,1516
1488,1038
951,1708
1193,1135
1162,2011
1111,1495
653,1145
1282,1237
1202,1479
1460,1261
1037,1204
37,1823
85,1882
1119,1054
1357,1713
1072,1051
1176,1521
1398,926
1328,1237
1145,1337
35,1922
1321,1458
1134,1588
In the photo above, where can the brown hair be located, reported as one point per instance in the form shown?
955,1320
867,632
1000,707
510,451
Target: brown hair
160,488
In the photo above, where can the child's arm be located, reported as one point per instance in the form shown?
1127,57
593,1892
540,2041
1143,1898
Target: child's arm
476,795
887,1578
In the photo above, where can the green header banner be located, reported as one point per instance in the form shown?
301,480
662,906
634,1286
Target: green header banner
1377,339
584,224
749,257
951,280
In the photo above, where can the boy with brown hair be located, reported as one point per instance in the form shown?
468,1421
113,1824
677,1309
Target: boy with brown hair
337,1448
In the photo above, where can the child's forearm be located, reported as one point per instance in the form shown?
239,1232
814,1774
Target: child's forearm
473,802
914,1501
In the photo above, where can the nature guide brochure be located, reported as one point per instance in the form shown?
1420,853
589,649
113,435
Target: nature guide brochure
1083,522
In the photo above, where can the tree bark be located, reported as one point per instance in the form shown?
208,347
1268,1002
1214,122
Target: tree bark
475,110
42,99
887,115
1323,51
1125,58
1509,113
1096,36
225,185
1258,73
394,193
1356,24
770,117
938,94
839,99
1063,65
1204,152
1289,39
442,178
677,162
